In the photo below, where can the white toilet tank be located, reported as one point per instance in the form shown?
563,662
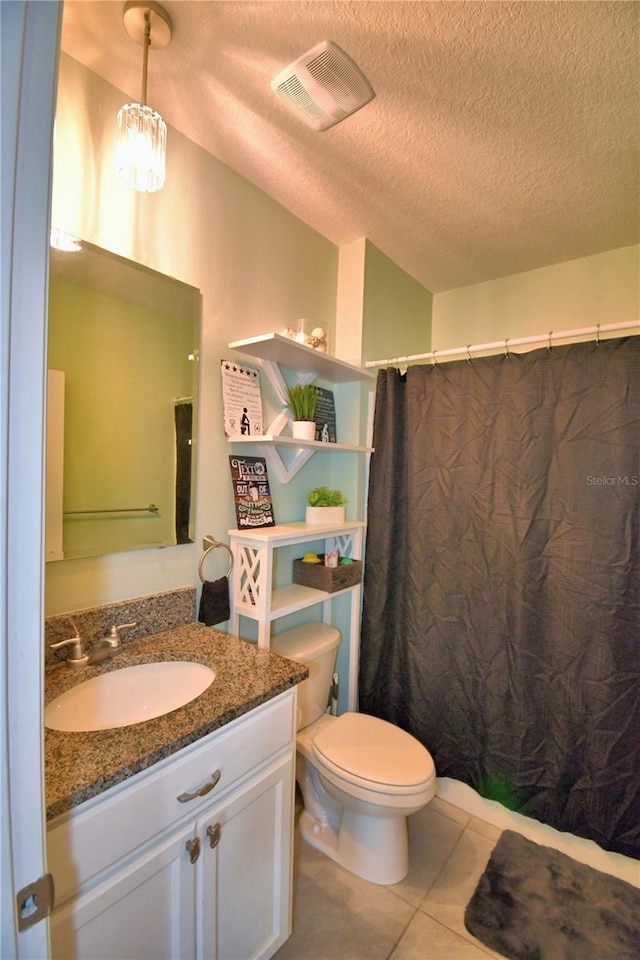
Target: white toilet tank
315,645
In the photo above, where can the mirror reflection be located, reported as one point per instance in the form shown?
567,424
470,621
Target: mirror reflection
122,406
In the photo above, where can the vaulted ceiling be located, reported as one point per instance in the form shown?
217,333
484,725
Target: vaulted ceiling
503,136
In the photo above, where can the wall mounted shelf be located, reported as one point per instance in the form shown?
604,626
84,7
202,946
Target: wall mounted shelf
273,351
297,356
269,444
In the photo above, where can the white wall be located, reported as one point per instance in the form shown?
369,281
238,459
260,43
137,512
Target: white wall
258,267
579,293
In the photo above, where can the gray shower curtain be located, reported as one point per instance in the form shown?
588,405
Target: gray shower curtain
501,621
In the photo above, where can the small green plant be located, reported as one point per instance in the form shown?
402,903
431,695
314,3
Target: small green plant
324,497
303,400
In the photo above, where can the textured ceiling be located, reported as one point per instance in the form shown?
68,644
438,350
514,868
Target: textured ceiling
503,136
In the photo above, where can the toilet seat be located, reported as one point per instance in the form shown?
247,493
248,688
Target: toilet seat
374,755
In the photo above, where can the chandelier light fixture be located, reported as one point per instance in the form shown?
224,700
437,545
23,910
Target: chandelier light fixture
142,133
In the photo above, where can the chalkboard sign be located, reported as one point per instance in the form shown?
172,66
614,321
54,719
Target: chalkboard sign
252,496
325,416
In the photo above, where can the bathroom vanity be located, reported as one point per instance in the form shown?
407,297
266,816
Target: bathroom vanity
173,838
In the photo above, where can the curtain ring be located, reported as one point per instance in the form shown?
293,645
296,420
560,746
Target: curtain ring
506,348
597,334
549,343
468,353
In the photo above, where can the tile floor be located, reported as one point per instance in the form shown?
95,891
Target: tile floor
338,916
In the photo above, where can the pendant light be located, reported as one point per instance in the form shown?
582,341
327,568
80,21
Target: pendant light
142,133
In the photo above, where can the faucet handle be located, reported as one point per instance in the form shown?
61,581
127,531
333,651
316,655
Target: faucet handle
114,637
77,654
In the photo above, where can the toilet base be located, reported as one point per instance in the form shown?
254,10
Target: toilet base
374,848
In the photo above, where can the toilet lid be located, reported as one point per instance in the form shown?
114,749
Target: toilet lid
374,750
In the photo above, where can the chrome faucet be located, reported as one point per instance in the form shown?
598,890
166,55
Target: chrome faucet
102,649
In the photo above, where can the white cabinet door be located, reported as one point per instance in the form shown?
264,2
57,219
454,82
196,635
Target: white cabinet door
139,898
244,870
145,910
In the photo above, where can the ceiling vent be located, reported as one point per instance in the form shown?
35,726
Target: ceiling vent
323,86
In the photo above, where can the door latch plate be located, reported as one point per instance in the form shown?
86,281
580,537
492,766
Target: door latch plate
35,902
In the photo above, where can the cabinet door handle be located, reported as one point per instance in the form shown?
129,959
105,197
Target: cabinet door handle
203,791
193,849
213,833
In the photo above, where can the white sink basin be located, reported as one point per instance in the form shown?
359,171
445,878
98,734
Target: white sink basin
127,696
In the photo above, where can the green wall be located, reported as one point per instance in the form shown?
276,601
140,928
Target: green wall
397,309
123,366
258,269
604,288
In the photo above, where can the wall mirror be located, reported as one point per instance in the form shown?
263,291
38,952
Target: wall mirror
121,406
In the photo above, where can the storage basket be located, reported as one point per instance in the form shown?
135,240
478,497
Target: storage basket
330,579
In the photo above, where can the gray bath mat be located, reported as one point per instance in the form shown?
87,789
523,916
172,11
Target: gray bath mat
533,903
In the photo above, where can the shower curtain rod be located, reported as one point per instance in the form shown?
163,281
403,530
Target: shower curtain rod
507,343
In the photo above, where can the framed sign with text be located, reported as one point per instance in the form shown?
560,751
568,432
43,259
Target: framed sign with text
241,399
251,493
325,416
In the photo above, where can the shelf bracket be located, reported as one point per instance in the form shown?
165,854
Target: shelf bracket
284,472
277,381
277,425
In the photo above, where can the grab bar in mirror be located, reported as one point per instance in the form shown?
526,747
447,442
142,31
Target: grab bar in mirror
150,509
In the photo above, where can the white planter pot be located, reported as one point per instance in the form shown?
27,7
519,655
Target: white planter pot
318,515
304,429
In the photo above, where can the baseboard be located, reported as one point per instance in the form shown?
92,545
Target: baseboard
585,851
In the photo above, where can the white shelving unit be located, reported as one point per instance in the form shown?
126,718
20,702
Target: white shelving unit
254,594
275,351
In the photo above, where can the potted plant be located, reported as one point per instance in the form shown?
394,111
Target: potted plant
303,400
325,506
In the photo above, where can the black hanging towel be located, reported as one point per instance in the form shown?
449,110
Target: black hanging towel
214,602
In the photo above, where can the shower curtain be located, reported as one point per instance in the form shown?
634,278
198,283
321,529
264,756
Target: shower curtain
183,417
501,619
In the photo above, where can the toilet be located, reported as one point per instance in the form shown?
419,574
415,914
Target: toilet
360,777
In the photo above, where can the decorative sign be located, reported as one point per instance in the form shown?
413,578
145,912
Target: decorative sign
251,492
325,416
241,399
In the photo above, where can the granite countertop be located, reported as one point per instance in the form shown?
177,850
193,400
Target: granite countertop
79,766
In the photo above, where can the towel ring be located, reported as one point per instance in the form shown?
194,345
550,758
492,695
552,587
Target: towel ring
213,545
